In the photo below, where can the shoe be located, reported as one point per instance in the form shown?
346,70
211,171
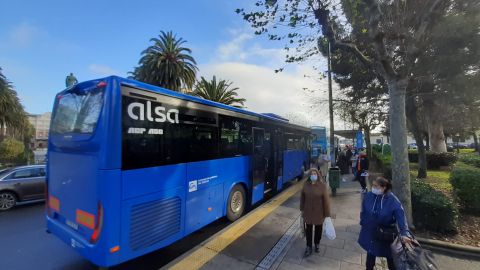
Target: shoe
364,190
343,180
317,249
308,251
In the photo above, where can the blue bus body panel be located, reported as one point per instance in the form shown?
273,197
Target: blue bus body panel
110,235
209,184
293,161
140,182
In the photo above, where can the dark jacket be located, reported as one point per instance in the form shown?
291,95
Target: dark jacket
364,163
380,210
315,202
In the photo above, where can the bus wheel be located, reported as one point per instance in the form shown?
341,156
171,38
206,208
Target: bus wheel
236,203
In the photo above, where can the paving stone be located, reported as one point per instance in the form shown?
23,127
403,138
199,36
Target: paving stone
221,261
319,262
353,246
291,266
347,235
350,266
336,243
343,255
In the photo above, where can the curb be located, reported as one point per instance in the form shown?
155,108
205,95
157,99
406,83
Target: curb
442,246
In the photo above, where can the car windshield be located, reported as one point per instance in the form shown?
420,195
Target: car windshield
77,111
4,172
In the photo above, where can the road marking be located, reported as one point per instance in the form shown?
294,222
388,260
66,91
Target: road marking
207,251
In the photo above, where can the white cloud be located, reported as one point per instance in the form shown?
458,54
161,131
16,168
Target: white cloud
25,35
250,66
267,91
102,70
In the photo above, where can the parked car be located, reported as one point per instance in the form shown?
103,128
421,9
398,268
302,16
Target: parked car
21,184
412,146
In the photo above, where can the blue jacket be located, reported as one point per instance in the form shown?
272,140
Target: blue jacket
380,210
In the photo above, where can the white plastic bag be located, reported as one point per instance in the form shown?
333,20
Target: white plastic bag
329,229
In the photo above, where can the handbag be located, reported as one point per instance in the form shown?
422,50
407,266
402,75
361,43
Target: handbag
386,233
411,256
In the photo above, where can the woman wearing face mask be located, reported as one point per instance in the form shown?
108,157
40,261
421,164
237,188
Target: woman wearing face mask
315,207
382,217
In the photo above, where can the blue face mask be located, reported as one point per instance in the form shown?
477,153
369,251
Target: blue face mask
377,191
313,177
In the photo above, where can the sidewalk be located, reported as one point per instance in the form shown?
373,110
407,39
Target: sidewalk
344,253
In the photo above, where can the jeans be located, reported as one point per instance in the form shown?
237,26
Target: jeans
318,234
371,262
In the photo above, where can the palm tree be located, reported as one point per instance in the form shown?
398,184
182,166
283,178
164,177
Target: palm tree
166,63
12,114
218,91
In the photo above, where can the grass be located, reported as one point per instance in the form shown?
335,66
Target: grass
467,151
438,179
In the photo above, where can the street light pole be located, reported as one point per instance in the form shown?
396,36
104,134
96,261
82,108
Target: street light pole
330,108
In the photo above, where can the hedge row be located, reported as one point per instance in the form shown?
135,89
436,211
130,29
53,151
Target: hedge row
465,181
432,210
434,160
471,159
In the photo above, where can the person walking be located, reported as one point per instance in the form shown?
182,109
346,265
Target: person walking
315,207
348,155
362,168
380,216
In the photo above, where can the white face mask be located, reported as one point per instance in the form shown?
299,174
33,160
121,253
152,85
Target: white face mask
377,191
313,177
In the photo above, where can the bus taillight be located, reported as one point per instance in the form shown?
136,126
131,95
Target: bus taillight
98,224
53,203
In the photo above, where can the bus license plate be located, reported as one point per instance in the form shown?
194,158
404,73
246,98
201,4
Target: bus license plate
72,224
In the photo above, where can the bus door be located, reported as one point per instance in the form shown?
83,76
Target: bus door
278,147
259,164
269,155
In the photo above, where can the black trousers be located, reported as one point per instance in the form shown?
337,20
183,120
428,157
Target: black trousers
361,179
318,234
371,262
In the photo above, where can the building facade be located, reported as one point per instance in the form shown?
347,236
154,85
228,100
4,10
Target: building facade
41,123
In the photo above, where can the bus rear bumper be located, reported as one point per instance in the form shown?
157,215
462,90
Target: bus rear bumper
93,253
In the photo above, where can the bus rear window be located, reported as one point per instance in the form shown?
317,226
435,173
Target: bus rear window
77,111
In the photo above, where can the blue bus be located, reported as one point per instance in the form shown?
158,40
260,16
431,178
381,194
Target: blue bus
133,168
319,141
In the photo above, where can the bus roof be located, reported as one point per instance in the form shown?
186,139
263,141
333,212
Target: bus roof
157,89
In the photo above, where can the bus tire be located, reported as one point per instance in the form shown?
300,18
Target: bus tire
236,203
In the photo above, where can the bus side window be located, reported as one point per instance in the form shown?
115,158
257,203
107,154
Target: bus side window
229,137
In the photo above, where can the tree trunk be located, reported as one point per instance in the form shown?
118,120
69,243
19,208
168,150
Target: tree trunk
475,141
417,134
367,141
398,133
435,126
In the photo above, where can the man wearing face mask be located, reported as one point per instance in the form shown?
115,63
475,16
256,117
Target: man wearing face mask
315,207
382,218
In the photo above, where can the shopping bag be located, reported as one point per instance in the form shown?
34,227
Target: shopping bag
329,229
411,256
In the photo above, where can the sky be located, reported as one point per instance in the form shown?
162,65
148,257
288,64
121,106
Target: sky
41,42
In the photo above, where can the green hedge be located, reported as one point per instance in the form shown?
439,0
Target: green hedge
377,148
384,163
465,181
434,160
471,159
432,210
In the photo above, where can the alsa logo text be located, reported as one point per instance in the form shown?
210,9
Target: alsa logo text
137,111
